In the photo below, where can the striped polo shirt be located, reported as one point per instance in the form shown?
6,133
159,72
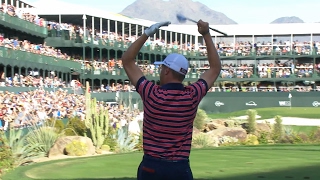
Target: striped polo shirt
169,111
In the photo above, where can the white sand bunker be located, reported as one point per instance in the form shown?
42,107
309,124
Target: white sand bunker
294,121
286,120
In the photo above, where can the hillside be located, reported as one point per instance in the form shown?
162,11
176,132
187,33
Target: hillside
160,10
292,19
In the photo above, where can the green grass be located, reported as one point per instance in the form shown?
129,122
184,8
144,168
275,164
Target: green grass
266,113
303,129
225,163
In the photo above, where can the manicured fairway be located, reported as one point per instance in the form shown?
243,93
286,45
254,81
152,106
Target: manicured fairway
228,163
266,113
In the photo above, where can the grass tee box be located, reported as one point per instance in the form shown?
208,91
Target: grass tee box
267,113
226,163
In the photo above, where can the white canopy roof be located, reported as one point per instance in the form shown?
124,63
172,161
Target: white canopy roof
54,7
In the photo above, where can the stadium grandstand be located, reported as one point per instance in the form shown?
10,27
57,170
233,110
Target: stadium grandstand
45,49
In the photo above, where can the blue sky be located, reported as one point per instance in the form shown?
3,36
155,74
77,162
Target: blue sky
241,11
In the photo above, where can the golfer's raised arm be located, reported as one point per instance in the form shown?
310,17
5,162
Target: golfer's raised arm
212,74
128,58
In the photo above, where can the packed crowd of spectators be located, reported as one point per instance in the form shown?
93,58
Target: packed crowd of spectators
34,107
27,46
22,109
240,48
247,48
22,14
265,70
34,81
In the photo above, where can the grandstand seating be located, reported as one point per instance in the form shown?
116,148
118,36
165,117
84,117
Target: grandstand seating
89,54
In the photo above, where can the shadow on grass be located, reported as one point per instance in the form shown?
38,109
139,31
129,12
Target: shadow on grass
307,172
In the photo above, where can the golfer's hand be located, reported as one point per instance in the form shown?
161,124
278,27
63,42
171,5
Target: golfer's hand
203,27
155,27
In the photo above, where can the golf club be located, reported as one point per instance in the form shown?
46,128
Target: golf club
182,19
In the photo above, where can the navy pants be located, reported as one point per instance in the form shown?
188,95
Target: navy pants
158,169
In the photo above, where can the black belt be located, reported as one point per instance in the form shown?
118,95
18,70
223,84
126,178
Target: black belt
148,157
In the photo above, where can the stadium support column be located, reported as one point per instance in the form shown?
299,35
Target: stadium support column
166,37
130,30
100,49
291,41
84,17
137,31
186,41
254,53
116,29
234,45
313,53
93,32
108,50
180,41
123,27
252,45
6,2
196,42
108,24
17,4
12,71
171,39
176,36
5,71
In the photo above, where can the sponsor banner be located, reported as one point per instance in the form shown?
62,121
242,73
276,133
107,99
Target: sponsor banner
285,103
218,103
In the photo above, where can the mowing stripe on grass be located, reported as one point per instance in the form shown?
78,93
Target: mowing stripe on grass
226,163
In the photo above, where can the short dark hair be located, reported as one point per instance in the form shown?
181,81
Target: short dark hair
178,76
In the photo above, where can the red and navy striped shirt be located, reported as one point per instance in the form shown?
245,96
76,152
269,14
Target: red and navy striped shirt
169,112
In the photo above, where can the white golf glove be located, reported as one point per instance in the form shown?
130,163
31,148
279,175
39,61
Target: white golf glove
155,27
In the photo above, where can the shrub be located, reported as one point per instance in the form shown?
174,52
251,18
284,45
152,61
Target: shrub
125,142
251,140
228,141
22,151
264,137
111,140
75,127
315,136
200,119
288,131
6,156
76,148
277,131
105,147
251,121
139,145
303,138
295,138
203,140
45,136
58,124
233,123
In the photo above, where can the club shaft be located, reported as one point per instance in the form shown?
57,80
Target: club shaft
218,31
192,20
209,27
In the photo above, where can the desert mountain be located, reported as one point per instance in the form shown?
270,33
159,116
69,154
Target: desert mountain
163,10
292,19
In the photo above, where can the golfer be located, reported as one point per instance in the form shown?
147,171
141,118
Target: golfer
169,109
